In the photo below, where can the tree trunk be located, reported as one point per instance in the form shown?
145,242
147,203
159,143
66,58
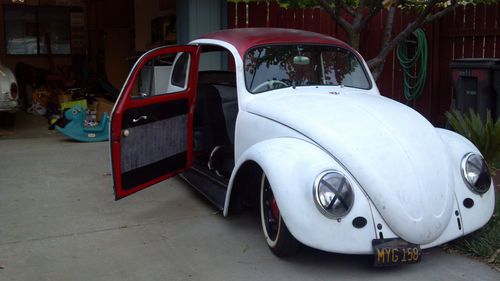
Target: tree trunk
377,70
354,39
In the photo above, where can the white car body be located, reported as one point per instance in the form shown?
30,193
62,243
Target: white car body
405,174
9,98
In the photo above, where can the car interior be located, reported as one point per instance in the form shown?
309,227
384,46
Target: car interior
215,112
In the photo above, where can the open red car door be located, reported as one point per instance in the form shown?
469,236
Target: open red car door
151,123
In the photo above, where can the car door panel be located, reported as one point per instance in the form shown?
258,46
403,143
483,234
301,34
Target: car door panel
152,135
166,150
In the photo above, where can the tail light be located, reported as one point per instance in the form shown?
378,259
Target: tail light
13,91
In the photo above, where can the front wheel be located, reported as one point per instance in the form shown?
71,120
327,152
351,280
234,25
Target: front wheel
278,238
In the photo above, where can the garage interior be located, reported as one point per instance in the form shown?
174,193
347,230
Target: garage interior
65,51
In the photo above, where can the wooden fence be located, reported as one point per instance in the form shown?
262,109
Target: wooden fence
468,32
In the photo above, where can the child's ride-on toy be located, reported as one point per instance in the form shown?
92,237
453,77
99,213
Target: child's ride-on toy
73,126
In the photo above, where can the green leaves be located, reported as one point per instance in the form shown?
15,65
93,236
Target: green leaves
485,242
297,3
484,135
355,3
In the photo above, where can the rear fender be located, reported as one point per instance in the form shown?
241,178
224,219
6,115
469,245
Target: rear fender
291,166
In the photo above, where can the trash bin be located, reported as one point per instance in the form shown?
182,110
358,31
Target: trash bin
476,84
496,86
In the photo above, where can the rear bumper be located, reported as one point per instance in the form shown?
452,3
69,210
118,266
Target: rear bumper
9,110
9,106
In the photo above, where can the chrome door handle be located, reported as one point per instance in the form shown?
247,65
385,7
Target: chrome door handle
140,118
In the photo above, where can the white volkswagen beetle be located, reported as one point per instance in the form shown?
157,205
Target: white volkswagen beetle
292,122
9,98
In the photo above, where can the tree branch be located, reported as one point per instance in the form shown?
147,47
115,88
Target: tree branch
374,9
335,13
358,16
379,59
442,13
386,36
389,23
329,9
348,8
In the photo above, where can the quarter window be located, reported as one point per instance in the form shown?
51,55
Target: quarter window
179,73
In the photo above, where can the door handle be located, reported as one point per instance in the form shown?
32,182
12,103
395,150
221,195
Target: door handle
140,118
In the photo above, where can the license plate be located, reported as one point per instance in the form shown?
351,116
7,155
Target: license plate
390,252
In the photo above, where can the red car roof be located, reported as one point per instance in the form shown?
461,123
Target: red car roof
246,38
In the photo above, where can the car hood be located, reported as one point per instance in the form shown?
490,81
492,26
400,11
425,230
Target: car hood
393,152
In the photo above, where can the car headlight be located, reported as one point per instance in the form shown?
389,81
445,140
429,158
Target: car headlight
476,173
333,194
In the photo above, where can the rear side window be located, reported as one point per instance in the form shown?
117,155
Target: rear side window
180,70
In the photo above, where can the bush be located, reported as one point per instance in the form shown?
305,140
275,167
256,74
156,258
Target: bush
484,243
484,135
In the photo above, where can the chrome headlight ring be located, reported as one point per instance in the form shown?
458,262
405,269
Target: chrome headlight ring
475,173
333,194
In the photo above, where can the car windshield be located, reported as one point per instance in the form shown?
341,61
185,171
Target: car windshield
279,66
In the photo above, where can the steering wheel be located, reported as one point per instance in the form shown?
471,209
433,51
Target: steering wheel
270,83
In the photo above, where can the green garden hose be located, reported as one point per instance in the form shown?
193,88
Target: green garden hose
414,68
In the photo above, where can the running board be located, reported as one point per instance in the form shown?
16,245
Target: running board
213,189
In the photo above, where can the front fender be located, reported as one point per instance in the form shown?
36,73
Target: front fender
291,166
478,215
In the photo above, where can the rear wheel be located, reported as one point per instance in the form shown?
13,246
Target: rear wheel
278,238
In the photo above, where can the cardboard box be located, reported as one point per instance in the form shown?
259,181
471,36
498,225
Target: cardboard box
103,105
92,106
64,98
41,97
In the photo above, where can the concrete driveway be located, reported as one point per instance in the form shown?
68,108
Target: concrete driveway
59,221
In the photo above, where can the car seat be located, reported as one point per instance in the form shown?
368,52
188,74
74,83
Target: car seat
210,132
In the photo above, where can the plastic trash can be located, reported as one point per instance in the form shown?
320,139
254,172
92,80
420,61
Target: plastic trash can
476,84
496,86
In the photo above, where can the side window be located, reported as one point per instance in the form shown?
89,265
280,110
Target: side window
162,75
180,70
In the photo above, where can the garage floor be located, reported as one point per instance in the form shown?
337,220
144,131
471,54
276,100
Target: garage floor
59,221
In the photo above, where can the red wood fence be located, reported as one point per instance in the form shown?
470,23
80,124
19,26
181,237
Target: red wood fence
468,32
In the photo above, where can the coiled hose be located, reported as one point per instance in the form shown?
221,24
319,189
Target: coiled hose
413,84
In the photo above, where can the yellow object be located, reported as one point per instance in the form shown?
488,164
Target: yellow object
70,104
53,120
